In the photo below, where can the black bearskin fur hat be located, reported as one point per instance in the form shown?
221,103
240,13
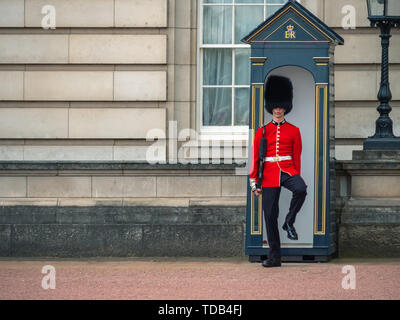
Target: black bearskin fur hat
278,93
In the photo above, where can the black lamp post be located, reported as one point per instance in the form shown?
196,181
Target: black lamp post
384,14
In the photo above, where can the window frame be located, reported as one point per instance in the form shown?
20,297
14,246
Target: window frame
216,132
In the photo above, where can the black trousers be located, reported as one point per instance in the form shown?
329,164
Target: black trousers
270,198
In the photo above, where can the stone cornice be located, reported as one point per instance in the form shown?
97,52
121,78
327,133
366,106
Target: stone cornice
109,165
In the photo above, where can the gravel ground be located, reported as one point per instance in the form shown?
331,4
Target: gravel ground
188,278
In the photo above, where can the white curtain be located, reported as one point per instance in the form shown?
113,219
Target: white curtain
217,66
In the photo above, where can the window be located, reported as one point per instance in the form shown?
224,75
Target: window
224,66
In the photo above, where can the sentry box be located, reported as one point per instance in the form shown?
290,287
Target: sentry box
296,44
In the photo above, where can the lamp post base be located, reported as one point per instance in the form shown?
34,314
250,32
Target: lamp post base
382,143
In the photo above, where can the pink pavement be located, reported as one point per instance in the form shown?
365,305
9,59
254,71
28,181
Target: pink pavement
197,278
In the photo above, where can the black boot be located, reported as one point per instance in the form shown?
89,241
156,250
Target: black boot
273,262
291,231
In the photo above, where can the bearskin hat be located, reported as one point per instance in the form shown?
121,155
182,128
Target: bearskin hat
278,93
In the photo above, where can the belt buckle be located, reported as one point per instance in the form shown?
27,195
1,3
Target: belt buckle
277,159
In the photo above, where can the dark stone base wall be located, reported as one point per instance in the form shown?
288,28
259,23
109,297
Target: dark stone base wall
28,231
370,228
370,240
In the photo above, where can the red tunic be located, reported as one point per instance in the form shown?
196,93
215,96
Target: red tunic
282,140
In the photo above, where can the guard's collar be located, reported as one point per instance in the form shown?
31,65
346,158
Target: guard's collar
278,123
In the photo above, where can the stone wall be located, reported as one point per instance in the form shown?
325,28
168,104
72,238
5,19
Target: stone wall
92,88
369,204
74,209
113,69
357,73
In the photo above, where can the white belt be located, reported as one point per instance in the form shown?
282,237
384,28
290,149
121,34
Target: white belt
278,158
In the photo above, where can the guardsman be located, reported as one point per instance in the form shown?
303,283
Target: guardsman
281,165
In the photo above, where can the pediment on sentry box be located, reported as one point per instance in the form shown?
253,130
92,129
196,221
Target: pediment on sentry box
293,23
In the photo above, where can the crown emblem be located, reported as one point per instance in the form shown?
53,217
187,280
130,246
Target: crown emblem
290,33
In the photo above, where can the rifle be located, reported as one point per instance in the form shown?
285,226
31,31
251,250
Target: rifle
262,154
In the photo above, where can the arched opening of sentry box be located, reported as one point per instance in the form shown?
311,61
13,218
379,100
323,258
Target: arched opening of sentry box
302,116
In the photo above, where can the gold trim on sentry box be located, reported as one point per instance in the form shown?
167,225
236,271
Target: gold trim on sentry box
255,86
317,199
